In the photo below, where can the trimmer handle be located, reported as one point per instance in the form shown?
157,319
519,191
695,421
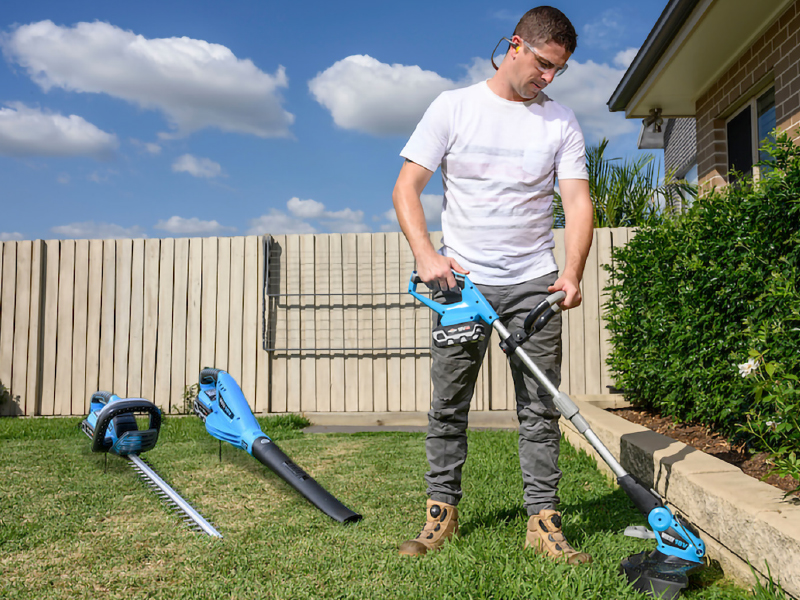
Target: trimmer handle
471,307
543,312
460,280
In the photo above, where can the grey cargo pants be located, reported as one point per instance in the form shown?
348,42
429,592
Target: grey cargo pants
454,371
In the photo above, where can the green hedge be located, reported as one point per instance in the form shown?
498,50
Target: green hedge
694,297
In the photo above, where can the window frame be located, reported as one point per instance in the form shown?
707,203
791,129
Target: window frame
751,101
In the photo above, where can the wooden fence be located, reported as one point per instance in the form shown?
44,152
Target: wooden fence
303,322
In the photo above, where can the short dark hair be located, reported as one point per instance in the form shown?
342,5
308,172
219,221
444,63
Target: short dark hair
544,23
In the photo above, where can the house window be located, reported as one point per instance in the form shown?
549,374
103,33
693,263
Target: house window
747,129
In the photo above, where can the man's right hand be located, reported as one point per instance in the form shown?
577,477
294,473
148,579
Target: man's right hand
436,271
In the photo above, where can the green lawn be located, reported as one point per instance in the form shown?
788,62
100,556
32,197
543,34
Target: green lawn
69,530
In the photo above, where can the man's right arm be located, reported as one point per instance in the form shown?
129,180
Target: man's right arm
434,269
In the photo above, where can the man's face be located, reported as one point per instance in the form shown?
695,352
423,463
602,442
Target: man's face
534,70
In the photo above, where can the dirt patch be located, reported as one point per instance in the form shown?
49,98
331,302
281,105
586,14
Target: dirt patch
710,442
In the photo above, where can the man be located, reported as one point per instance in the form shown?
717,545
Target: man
500,144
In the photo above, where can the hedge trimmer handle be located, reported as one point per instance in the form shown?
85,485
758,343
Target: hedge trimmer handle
543,312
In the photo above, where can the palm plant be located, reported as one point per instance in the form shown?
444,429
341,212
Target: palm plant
629,193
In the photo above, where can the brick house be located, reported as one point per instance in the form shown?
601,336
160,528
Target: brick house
711,80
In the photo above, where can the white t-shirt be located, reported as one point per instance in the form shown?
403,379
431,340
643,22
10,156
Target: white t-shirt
499,161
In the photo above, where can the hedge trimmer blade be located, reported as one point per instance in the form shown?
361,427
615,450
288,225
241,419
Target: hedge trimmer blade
173,500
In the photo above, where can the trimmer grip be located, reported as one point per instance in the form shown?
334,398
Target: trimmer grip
268,453
460,280
543,312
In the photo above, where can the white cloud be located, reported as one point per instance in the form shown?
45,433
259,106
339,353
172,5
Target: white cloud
193,226
480,69
196,84
372,97
28,131
97,231
604,32
98,177
277,222
63,178
197,167
431,206
624,58
309,216
10,236
345,221
585,88
150,147
305,209
367,95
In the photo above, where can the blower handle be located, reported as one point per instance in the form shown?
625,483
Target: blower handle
543,312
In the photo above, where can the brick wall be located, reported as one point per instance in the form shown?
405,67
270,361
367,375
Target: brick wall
776,52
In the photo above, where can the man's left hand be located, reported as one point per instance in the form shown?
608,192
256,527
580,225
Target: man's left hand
571,287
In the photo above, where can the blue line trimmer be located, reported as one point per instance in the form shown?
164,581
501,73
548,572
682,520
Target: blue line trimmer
227,415
662,573
111,425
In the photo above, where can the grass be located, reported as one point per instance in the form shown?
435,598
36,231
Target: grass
69,530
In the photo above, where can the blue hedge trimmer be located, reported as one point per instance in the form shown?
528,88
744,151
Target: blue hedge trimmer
111,425
661,573
227,415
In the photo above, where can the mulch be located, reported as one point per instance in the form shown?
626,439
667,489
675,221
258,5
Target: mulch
710,442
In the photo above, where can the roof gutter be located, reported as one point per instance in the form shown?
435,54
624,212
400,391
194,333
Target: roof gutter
666,28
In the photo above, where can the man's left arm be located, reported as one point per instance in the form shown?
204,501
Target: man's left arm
579,216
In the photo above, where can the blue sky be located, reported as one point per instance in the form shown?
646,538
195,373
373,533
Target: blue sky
162,119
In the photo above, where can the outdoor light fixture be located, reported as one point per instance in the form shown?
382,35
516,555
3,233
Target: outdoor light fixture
651,136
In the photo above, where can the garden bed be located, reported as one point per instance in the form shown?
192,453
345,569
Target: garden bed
712,443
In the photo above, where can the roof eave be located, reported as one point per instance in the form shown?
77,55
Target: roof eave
666,28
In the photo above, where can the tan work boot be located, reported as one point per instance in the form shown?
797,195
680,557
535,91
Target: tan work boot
442,524
545,537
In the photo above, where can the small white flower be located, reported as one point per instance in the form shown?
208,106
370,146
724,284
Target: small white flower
771,424
749,367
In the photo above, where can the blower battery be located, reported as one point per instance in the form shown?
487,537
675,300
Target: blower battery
460,333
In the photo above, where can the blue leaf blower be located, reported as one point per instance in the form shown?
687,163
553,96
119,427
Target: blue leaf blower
662,573
227,415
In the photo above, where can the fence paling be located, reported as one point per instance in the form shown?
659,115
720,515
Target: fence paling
322,323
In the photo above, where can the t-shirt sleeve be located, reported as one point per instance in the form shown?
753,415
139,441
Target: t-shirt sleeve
571,156
429,142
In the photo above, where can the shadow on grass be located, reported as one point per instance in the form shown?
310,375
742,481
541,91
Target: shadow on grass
491,520
612,512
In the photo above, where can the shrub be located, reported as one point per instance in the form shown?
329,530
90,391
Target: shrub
629,192
693,297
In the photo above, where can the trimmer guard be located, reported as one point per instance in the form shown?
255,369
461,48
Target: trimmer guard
111,424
